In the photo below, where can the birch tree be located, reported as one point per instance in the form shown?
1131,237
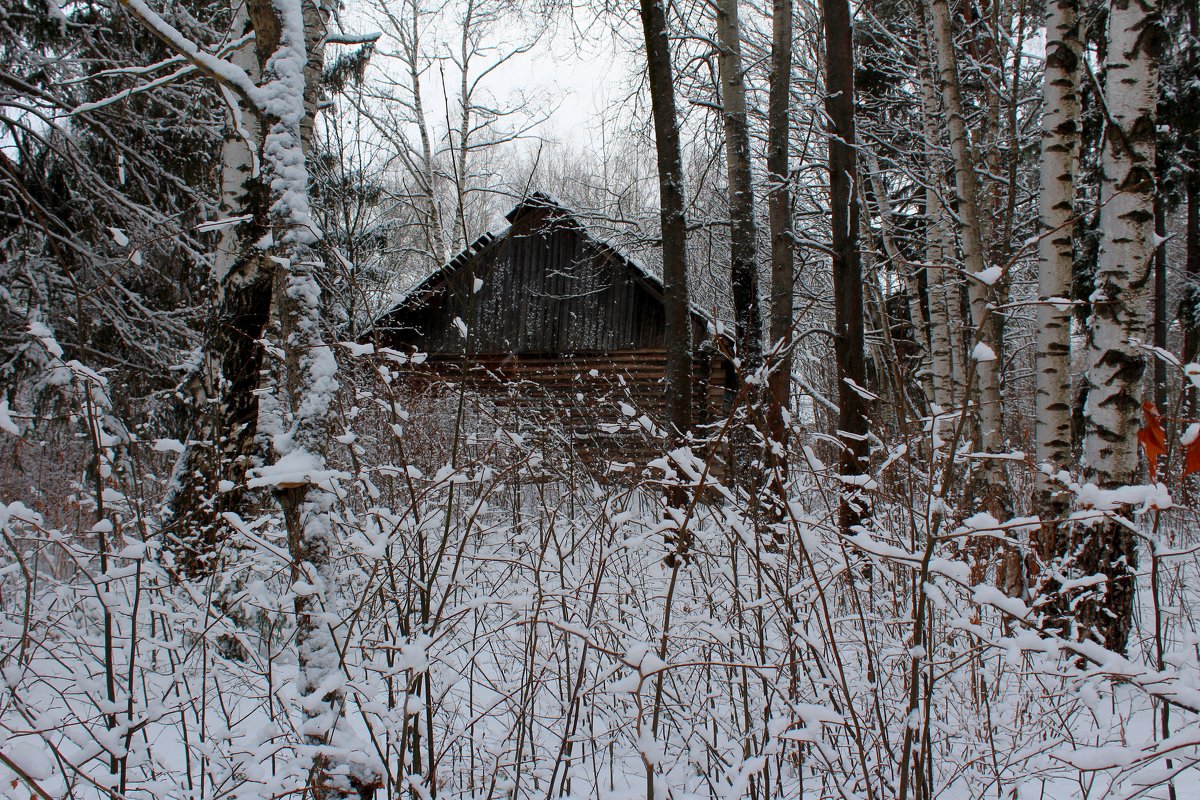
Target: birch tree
981,278
408,29
289,41
946,354
210,479
1056,259
1120,313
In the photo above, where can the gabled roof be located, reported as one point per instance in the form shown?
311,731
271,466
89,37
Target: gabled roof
539,201
558,214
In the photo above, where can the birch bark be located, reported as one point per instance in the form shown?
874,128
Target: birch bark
461,157
289,38
408,31
1120,307
949,377
1056,257
210,478
991,481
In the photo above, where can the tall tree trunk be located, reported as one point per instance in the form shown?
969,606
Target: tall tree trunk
1190,311
461,157
299,476
949,376
946,356
1004,160
210,478
671,216
986,51
405,21
990,481
1191,301
847,268
1160,298
1120,308
1056,258
779,211
743,263
289,45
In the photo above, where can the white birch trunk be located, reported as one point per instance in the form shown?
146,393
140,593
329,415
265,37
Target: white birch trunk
239,154
462,183
1120,303
406,26
433,224
980,291
289,45
1120,306
224,406
1056,257
946,357
949,376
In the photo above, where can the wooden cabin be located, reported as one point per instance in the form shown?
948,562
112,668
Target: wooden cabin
547,318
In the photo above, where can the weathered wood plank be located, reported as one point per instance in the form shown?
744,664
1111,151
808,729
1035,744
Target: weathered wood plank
562,323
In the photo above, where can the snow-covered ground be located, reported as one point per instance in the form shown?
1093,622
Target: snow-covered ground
509,626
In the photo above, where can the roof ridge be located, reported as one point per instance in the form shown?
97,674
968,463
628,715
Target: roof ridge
533,201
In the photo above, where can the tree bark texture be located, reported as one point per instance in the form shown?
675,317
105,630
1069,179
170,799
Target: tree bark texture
1056,258
210,479
743,262
946,354
1190,305
1160,299
283,98
1191,294
991,481
779,214
849,344
310,371
462,163
671,216
1120,309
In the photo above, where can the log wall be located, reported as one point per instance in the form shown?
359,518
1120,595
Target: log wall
551,321
596,399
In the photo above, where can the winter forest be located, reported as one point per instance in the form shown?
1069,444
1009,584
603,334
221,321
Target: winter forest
878,478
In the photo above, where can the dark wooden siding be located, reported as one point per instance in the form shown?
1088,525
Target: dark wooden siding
562,327
547,289
598,398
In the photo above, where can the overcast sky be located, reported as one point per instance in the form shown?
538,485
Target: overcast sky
577,70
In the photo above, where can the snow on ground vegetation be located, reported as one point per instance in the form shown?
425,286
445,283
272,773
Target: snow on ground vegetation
507,625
